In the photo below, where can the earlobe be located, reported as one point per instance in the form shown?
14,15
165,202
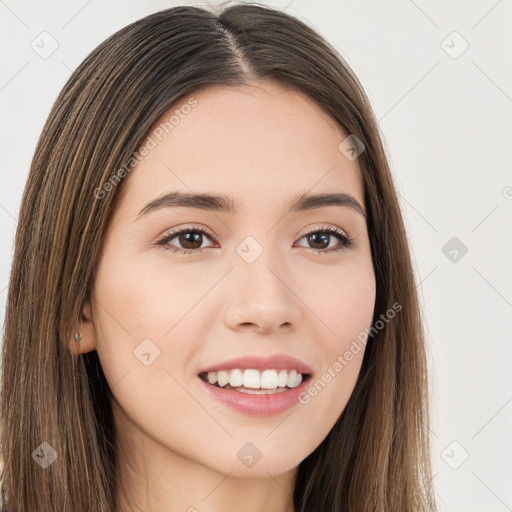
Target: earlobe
84,339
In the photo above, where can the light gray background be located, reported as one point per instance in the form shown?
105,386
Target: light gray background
445,117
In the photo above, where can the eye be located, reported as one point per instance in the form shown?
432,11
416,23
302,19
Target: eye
320,237
191,238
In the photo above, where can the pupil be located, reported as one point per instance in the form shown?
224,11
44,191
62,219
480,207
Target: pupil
313,238
195,237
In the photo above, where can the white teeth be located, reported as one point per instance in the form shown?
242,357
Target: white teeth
254,379
291,378
251,379
269,379
222,378
282,378
294,379
236,378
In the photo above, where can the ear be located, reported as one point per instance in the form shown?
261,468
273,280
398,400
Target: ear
87,330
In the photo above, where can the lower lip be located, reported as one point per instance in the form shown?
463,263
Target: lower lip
257,405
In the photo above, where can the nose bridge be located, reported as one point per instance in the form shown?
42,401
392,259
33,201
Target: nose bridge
259,265
259,293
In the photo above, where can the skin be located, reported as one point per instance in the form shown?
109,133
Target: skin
264,145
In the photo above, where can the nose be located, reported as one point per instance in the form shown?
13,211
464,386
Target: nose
260,296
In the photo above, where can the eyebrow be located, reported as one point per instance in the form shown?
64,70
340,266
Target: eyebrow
222,203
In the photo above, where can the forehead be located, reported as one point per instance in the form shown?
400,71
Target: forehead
258,141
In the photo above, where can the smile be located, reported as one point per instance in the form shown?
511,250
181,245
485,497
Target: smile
256,401
253,380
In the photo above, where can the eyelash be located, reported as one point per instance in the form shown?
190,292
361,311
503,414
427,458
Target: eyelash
346,242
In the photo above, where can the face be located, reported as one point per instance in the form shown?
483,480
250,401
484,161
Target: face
180,289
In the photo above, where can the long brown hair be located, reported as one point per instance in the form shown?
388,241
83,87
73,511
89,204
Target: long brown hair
377,455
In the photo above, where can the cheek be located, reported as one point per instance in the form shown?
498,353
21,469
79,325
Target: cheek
344,303
343,300
133,312
142,365
140,297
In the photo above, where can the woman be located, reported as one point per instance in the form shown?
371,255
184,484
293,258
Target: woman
212,304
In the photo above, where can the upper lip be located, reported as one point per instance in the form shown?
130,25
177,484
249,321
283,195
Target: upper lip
276,362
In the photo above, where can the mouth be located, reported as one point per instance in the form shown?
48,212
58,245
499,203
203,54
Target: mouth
255,382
